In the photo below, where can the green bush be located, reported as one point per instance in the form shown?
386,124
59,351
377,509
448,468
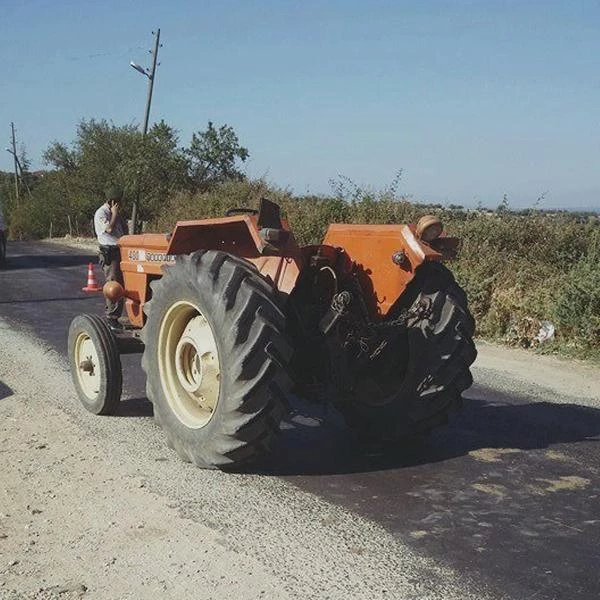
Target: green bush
577,308
518,270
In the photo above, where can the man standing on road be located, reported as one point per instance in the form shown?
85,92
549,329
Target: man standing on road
109,227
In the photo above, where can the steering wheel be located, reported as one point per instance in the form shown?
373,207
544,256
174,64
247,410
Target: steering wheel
230,212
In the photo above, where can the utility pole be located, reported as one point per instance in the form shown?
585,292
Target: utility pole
23,179
14,153
150,75
151,81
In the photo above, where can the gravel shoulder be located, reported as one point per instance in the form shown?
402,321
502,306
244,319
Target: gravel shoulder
99,508
554,378
75,242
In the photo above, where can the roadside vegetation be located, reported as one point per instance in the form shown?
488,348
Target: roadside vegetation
525,272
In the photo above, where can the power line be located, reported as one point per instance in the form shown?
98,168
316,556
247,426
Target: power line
76,57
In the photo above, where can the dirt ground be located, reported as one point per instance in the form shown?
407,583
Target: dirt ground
99,508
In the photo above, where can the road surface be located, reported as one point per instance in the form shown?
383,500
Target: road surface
503,502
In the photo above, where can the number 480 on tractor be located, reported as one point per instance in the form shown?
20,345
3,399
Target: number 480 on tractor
233,316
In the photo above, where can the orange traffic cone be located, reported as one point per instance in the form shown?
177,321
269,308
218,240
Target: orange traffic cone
92,284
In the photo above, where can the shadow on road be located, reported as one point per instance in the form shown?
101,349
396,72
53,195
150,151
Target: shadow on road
311,445
316,441
135,407
47,261
5,391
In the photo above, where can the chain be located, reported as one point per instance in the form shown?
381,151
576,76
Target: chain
423,310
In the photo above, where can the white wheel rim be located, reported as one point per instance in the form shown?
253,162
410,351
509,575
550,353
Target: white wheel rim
188,362
89,372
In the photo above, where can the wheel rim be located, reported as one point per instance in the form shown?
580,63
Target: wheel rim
89,374
188,362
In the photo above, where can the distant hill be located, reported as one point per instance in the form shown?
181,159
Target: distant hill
583,209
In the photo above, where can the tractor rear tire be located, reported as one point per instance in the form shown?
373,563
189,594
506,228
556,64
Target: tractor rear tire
425,377
216,359
95,364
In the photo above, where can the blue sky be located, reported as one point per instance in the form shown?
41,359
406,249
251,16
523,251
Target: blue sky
471,99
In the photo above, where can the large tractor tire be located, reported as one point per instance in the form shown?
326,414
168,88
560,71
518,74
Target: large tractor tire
216,359
95,364
419,379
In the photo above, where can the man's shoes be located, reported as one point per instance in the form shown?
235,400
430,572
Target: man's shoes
115,326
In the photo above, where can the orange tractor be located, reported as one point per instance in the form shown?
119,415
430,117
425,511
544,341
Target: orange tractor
233,316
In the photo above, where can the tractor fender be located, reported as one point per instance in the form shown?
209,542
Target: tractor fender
385,259
273,252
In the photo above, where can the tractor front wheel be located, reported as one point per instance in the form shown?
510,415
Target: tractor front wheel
95,364
215,358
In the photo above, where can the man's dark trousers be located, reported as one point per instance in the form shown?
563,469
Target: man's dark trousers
110,261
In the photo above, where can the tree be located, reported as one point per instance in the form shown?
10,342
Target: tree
162,168
213,154
60,157
104,154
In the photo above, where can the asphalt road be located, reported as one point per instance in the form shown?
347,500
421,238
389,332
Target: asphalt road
508,493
